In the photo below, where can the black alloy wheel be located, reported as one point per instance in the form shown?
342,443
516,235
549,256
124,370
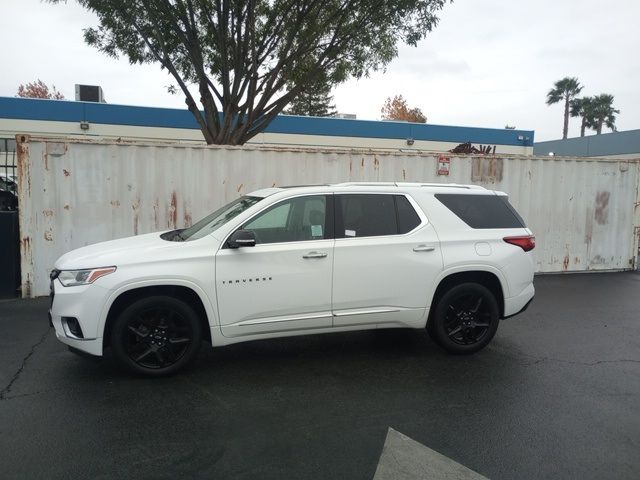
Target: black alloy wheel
156,336
465,319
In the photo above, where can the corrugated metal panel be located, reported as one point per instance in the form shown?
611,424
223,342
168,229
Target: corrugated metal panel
74,193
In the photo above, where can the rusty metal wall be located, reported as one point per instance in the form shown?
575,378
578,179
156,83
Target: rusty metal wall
75,192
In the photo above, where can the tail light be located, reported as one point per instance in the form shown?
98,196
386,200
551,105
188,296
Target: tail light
526,243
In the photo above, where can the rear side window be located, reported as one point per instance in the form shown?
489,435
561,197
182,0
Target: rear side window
482,211
372,215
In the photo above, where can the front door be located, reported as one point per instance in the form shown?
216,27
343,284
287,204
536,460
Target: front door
284,282
386,257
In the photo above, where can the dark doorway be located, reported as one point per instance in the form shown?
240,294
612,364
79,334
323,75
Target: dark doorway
9,231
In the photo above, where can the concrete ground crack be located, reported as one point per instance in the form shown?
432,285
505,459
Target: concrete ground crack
6,390
537,360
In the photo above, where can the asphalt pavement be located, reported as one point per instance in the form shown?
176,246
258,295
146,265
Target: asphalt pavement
555,395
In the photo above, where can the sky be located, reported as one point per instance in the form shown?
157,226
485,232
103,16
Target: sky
488,63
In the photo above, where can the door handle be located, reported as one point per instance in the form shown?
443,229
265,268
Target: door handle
314,255
424,248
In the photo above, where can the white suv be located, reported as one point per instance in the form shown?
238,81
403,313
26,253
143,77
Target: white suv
299,260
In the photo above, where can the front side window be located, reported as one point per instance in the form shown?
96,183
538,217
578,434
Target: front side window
293,220
372,215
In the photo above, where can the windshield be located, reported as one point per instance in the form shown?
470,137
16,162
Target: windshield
218,218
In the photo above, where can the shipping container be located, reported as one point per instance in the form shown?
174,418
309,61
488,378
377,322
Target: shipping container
73,192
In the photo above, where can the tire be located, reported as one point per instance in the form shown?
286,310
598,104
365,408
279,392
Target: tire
156,336
465,319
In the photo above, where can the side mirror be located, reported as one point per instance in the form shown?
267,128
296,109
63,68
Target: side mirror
242,238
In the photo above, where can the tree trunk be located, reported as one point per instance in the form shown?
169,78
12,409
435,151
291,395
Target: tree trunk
599,130
565,130
583,126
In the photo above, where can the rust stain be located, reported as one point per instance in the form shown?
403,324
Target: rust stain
48,236
66,172
240,187
350,166
565,263
25,244
376,162
173,210
24,175
488,170
362,162
67,207
601,213
404,174
115,203
156,210
577,260
47,213
188,221
45,157
588,228
136,220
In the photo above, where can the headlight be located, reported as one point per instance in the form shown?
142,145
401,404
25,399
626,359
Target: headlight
72,278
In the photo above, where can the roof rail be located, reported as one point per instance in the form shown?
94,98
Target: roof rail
305,185
365,184
408,184
453,185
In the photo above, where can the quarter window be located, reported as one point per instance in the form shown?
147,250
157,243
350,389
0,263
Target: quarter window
294,220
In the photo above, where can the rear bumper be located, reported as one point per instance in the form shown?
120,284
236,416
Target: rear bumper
517,304
522,310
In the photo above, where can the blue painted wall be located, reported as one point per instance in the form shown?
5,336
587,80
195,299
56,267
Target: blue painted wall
102,113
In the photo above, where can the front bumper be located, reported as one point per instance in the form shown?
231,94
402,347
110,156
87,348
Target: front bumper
83,303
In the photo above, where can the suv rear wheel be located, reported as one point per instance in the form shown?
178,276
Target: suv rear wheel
156,336
465,319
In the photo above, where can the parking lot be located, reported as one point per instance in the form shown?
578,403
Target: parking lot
556,395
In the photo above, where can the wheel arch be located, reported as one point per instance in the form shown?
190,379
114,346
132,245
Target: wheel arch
182,292
492,280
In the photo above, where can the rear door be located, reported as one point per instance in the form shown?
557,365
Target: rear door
386,256
284,282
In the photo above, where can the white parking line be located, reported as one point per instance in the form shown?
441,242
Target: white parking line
405,459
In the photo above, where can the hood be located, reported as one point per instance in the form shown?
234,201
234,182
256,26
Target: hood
123,251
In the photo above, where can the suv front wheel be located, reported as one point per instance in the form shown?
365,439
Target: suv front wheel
465,319
156,336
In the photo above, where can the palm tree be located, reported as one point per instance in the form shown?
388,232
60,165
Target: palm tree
566,89
603,113
582,107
